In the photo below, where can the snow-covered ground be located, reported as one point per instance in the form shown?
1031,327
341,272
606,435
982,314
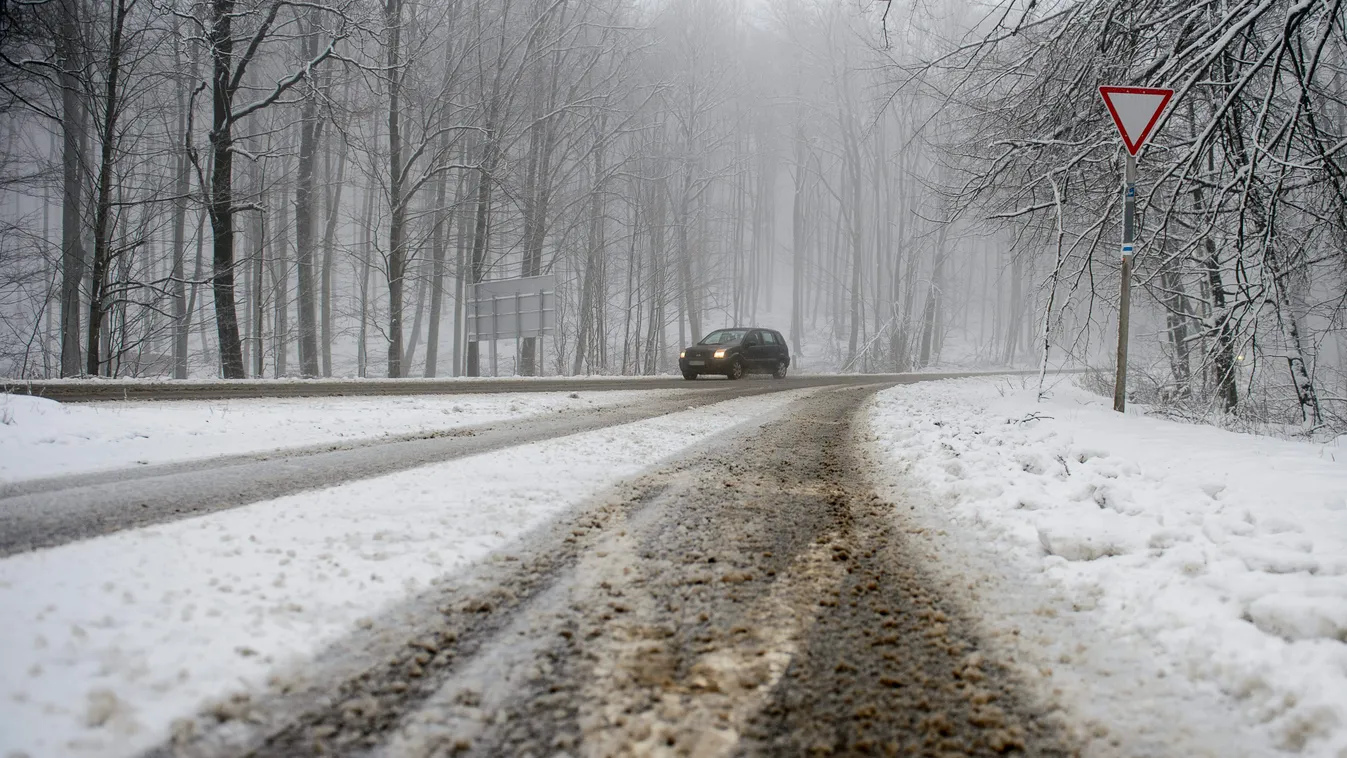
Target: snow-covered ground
40,438
106,642
1173,589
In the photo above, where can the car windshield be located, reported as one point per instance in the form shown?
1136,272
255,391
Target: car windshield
723,336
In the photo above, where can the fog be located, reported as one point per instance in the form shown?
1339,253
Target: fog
263,188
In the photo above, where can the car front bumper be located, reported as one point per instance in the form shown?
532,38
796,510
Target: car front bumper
704,365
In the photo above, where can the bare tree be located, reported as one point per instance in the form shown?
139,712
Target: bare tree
227,76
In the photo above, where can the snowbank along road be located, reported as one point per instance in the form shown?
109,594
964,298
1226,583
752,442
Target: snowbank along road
48,512
749,596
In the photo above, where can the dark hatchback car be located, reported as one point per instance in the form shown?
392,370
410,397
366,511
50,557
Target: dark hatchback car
735,352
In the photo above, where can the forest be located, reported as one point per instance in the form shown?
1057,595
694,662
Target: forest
313,188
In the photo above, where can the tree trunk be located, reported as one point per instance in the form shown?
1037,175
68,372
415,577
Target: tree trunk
1015,312
103,208
542,144
930,321
633,278
465,213
590,301
1052,295
983,342
438,242
50,308
1219,320
310,133
853,212
222,191
880,244
738,253
280,282
258,286
182,185
798,235
396,203
74,124
1307,395
654,344
1176,322
422,285
443,215
685,267
199,271
898,353
479,236
329,248
366,267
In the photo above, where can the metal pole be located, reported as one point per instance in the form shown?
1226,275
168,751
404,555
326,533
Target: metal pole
495,335
1125,298
542,330
473,359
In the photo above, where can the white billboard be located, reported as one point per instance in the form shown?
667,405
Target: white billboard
507,309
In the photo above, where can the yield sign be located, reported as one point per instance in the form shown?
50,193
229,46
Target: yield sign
1135,110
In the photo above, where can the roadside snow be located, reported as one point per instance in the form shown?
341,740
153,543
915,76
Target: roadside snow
40,437
1174,589
106,642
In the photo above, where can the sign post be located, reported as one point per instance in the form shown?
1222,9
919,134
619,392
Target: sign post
1125,297
508,309
1135,111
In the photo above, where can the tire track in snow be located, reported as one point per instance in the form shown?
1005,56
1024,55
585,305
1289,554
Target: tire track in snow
754,600
52,512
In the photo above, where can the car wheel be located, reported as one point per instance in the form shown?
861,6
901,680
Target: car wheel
736,369
780,372
689,375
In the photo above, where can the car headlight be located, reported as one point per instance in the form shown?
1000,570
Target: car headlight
720,353
682,353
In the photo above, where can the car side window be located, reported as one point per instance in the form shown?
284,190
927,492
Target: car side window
768,338
753,338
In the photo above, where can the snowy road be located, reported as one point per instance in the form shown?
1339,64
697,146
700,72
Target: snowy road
49,512
750,599
71,472
956,567
704,575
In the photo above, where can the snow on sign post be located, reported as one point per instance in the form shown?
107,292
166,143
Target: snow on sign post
1135,111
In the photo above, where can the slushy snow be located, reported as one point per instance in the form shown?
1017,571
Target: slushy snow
1174,589
106,642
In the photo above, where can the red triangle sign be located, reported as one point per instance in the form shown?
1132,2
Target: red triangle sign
1135,111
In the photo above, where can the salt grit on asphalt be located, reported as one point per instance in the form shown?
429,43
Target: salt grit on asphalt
40,437
106,642
1173,589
